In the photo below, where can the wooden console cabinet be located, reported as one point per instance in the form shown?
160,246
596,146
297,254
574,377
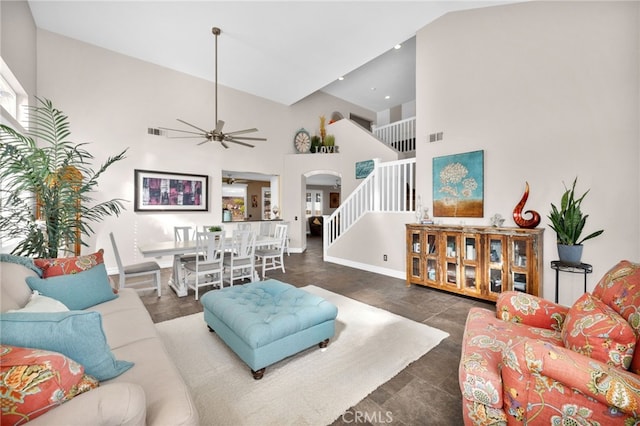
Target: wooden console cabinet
477,261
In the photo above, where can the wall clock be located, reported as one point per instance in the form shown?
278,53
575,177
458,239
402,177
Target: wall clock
302,141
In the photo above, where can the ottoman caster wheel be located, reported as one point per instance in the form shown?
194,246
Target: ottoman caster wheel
324,343
211,330
257,375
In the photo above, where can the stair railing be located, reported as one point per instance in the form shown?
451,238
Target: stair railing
400,135
390,187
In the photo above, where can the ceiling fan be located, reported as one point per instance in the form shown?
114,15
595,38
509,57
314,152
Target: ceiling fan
231,180
216,135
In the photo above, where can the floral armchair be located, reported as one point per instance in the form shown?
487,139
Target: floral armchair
536,362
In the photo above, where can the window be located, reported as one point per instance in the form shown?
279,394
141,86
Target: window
13,99
313,206
13,103
8,98
234,201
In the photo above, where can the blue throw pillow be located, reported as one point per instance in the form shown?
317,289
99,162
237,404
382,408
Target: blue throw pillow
77,291
75,334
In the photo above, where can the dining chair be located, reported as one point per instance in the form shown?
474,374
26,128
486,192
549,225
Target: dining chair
273,257
244,226
288,240
182,233
265,229
239,262
207,268
137,270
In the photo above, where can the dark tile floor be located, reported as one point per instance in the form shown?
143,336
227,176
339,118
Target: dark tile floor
424,393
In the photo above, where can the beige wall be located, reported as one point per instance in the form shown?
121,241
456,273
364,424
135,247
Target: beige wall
18,42
112,99
549,90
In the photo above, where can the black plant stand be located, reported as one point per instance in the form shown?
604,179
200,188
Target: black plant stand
583,268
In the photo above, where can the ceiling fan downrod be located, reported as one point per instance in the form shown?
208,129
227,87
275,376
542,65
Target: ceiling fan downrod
216,32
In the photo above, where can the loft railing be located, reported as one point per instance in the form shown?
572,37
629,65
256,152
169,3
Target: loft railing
400,135
390,187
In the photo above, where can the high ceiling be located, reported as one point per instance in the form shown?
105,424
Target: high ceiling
282,51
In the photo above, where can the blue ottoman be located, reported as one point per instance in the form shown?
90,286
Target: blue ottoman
266,321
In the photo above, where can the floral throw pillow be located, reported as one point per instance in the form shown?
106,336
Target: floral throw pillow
34,381
594,329
69,265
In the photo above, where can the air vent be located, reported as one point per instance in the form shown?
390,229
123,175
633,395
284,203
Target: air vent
154,131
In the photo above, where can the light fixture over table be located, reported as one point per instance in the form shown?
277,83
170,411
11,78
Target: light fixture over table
216,135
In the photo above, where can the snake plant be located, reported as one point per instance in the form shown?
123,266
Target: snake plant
569,221
46,183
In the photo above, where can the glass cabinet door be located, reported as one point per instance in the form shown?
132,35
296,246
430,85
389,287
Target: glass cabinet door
519,264
415,259
451,259
416,243
431,253
416,268
495,263
471,263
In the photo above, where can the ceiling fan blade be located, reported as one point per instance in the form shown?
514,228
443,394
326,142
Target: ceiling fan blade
179,130
191,125
240,143
199,136
204,141
219,126
246,138
239,132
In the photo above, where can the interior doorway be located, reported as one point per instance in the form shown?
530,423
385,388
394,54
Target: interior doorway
322,195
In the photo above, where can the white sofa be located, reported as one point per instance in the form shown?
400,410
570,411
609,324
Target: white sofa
151,393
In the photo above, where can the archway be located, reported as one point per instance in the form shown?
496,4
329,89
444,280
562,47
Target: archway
322,196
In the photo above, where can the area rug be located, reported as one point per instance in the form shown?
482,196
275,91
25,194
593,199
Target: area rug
314,387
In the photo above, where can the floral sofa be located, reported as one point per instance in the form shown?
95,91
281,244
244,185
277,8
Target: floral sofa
535,362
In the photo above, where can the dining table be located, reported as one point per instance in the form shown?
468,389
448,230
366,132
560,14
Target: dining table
177,249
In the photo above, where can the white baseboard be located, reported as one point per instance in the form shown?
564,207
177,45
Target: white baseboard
366,267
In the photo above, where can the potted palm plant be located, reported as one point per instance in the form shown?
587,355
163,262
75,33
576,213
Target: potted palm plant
46,182
569,222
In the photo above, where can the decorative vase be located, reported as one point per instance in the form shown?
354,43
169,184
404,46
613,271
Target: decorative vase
571,255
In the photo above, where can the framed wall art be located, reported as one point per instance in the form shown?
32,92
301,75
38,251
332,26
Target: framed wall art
458,185
363,168
334,200
170,192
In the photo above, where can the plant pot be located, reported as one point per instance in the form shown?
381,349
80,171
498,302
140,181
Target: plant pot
570,255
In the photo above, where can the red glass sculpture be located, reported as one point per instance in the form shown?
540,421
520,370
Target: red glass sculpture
517,212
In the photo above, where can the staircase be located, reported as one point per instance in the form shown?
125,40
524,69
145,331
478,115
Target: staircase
390,187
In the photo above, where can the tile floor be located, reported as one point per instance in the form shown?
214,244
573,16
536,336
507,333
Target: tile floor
424,393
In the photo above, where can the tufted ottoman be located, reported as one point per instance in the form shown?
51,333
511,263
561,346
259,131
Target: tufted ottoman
266,321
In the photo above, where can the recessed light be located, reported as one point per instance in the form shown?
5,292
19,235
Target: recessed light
397,46
373,89
387,97
340,78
